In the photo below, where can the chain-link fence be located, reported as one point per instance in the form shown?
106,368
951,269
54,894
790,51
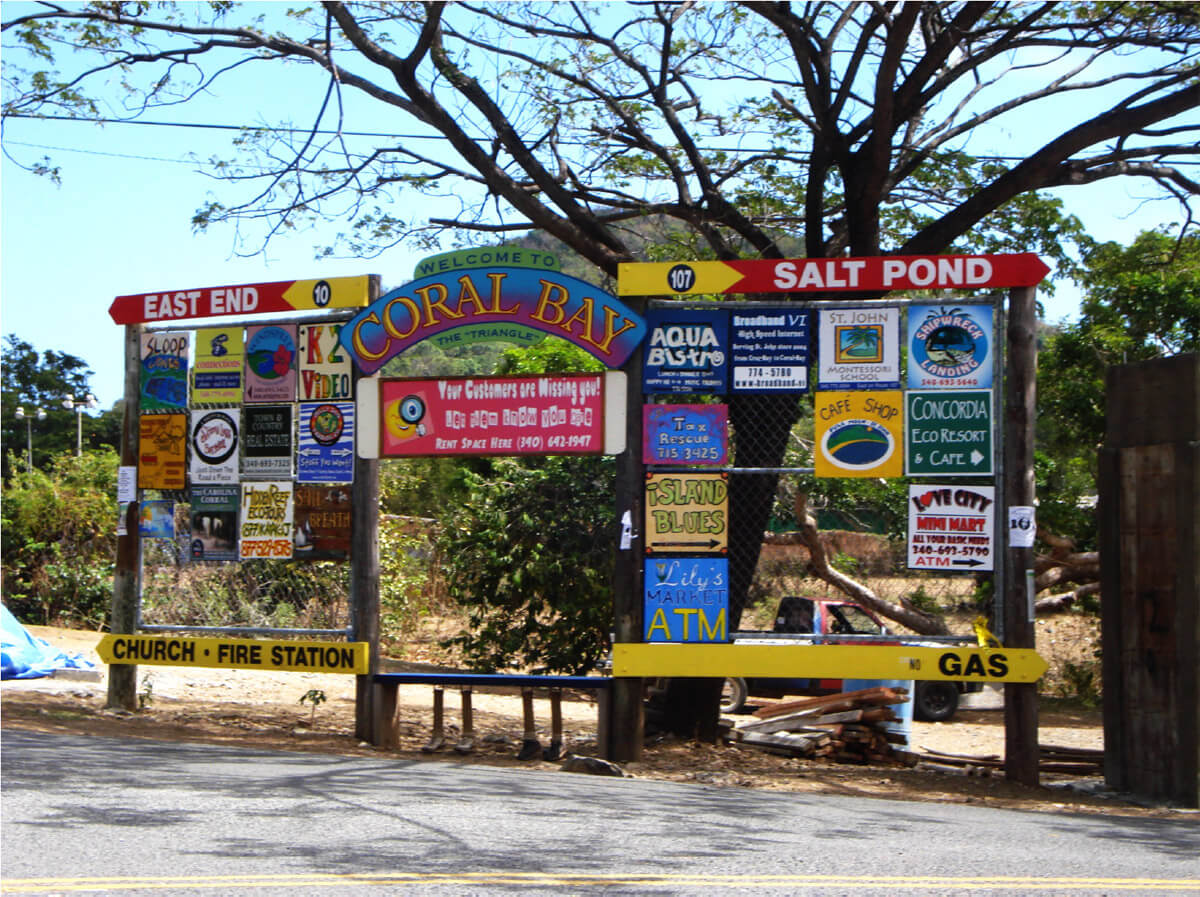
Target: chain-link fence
239,597
860,521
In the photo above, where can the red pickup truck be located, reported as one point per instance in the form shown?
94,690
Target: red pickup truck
822,622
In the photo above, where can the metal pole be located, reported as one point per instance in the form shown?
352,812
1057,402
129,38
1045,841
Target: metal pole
78,431
29,445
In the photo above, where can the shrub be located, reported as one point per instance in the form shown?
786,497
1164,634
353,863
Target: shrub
59,540
529,556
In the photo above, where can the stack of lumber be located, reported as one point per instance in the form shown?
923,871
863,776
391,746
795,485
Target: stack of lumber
1051,759
847,727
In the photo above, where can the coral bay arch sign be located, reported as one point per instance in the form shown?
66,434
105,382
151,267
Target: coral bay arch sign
493,297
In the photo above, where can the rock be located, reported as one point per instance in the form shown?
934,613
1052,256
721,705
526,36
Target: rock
592,765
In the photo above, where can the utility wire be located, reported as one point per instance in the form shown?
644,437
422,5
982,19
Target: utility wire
215,126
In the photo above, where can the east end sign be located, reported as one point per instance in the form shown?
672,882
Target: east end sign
496,297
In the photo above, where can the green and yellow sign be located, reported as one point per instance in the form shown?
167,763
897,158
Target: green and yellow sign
859,433
687,512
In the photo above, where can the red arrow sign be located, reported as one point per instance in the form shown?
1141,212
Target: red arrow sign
251,298
899,272
863,275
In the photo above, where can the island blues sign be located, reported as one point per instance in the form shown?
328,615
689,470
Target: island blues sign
503,296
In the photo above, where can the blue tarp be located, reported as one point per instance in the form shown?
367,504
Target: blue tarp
23,656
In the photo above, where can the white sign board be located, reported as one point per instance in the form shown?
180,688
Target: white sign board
951,527
859,348
1022,526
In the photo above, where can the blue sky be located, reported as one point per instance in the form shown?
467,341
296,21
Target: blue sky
120,223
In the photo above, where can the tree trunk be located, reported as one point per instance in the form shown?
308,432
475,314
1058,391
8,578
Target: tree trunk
904,613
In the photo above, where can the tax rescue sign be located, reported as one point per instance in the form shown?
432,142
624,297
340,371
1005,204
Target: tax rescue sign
235,653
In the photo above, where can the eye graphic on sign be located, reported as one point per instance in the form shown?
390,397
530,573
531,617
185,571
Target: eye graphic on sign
403,418
857,444
412,409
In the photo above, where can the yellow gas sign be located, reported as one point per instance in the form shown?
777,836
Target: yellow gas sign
800,661
235,653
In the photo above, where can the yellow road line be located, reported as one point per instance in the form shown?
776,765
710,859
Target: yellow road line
573,879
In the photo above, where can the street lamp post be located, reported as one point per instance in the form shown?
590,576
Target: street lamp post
78,404
28,418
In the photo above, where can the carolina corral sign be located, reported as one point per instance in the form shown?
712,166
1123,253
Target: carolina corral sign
495,298
235,653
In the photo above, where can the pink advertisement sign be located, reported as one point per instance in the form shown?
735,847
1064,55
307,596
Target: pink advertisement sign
544,415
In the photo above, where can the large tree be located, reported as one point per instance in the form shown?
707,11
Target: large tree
861,128
1141,301
37,383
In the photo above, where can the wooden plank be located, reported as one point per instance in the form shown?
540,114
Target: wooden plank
842,701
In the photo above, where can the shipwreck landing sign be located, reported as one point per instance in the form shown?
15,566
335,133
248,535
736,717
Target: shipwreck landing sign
500,298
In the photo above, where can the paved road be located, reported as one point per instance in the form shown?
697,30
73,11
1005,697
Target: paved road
122,816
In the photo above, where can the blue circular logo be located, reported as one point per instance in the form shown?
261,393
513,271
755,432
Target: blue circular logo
857,445
949,344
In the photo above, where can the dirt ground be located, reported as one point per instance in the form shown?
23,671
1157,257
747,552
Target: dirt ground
263,710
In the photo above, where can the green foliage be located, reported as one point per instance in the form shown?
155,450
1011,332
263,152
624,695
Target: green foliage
1081,682
406,556
59,540
529,556
923,601
256,593
421,487
846,564
1142,301
551,356
37,381
528,552
316,697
